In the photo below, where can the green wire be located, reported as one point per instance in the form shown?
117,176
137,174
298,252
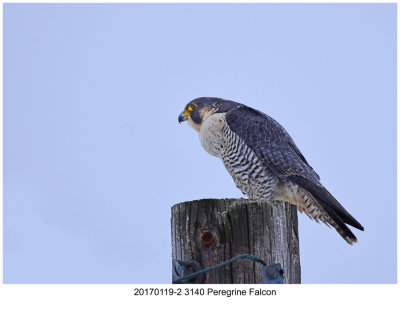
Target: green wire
243,256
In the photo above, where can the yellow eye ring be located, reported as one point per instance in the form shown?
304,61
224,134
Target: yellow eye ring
192,107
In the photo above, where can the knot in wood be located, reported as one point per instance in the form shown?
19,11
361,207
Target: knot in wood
207,238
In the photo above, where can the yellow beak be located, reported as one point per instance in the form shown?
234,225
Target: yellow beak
183,116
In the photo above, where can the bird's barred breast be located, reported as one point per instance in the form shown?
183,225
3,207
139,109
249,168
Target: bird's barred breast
246,169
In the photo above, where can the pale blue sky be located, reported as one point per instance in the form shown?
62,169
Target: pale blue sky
94,156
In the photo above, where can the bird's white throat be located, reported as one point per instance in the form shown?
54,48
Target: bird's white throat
210,133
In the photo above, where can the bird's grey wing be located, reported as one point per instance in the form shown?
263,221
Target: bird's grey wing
271,143
274,146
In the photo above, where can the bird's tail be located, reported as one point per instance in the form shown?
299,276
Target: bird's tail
322,206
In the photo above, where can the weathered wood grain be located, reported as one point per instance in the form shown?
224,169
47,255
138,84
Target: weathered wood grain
211,231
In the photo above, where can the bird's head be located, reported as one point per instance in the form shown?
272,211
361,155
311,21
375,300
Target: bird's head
197,110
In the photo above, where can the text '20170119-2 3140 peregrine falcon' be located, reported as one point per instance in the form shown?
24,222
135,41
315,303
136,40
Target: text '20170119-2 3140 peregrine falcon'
263,160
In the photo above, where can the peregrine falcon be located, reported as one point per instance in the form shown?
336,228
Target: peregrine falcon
263,160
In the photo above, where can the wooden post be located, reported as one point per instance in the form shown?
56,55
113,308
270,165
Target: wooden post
211,231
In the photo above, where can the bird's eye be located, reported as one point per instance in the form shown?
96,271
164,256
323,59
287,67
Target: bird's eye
192,107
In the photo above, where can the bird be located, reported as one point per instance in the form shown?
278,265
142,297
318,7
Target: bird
264,161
